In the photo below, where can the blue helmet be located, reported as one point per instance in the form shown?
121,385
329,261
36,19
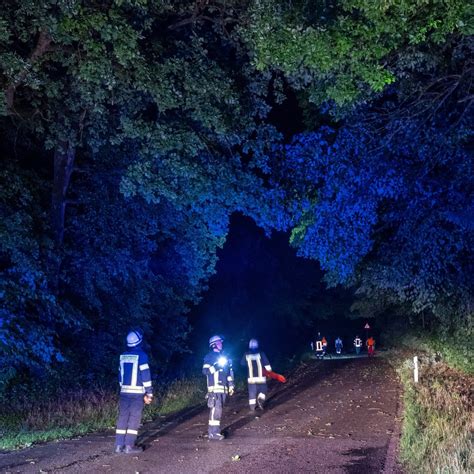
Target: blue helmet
253,344
134,338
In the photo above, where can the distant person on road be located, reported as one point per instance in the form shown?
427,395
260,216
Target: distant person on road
325,345
357,344
135,390
318,346
257,363
217,368
338,344
370,346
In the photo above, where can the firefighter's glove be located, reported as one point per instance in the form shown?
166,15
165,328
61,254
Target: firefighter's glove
148,398
231,390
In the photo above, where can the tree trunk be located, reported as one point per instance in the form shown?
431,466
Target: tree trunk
42,47
63,166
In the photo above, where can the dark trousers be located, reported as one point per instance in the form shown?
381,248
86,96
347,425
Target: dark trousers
130,415
257,390
215,402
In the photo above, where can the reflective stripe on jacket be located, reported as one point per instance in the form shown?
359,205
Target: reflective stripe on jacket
134,372
218,379
255,361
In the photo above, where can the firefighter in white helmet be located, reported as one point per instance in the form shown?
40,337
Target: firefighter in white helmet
257,363
217,368
135,389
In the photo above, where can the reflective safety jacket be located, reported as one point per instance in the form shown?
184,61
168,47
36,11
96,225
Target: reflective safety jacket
338,343
318,345
219,379
370,342
255,362
358,342
134,372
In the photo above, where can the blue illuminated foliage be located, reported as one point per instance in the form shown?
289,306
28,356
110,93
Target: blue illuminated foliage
384,204
131,135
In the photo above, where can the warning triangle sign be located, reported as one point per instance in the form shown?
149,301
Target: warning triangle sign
366,326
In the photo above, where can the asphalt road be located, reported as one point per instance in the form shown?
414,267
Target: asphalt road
333,416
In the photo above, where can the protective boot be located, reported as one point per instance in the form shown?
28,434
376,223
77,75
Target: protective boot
132,450
216,437
118,449
260,402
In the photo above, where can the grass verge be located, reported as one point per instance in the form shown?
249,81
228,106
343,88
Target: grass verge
437,423
80,412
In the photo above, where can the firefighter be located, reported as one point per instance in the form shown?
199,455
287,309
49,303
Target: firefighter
338,344
135,389
324,342
357,344
370,346
256,362
318,346
217,368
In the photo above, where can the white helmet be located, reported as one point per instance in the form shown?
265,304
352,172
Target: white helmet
253,344
134,338
215,339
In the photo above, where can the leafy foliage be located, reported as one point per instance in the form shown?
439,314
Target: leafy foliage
163,111
26,314
167,144
383,202
344,51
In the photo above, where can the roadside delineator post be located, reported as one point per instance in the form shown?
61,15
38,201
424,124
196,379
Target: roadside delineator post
415,367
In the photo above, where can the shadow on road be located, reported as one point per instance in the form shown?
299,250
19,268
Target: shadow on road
368,460
164,426
279,394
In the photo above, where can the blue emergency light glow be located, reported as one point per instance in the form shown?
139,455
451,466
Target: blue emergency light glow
222,361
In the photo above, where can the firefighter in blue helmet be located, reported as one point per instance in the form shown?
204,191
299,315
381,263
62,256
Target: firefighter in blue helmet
135,390
217,368
256,362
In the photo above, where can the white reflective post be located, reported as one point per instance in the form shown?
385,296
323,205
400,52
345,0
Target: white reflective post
415,365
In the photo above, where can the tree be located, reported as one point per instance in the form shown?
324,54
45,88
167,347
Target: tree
382,202
155,139
346,52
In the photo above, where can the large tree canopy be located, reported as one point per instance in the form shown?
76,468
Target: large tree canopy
132,130
347,51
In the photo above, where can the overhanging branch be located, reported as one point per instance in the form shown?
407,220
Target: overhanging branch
42,47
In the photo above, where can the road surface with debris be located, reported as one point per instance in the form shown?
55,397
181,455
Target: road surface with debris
332,416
